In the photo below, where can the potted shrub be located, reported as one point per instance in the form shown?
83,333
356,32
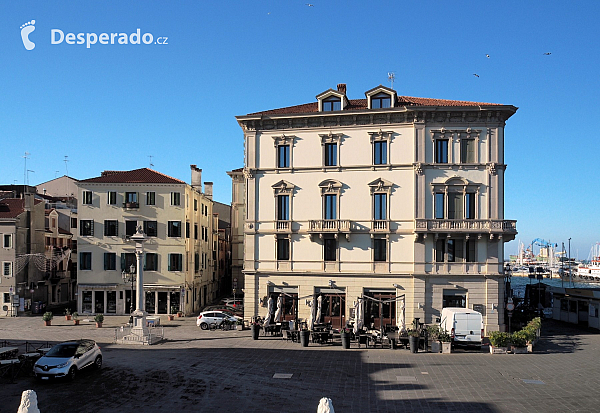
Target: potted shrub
99,319
499,342
75,318
519,342
68,314
434,334
171,316
446,342
47,317
179,313
345,335
413,340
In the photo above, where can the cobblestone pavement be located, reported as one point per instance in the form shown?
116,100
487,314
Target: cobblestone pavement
227,371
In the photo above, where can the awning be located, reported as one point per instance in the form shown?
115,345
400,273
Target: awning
92,286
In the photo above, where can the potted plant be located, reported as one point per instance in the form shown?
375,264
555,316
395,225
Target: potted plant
47,317
179,313
519,342
413,340
99,319
75,318
446,341
68,314
304,337
345,334
499,342
434,334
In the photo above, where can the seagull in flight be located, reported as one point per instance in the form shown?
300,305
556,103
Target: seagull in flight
310,5
475,74
547,54
487,55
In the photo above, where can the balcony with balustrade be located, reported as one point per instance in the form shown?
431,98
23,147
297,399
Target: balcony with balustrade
321,227
500,228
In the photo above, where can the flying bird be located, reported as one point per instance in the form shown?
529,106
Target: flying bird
310,5
487,55
547,54
475,74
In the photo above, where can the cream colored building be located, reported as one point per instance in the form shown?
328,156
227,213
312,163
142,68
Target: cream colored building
238,213
177,219
395,198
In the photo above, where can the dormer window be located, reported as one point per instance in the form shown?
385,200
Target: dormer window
381,101
380,97
332,103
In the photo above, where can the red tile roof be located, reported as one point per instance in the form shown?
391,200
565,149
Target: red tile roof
13,207
143,175
361,104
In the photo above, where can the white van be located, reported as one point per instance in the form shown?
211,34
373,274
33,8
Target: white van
464,326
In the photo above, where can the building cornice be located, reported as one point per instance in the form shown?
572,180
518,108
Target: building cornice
433,116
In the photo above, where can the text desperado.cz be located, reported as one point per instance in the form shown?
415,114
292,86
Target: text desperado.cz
57,36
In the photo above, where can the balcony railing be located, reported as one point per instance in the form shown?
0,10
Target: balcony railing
131,205
329,225
466,225
283,226
379,225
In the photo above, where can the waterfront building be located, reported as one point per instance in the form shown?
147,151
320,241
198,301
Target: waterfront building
390,197
180,273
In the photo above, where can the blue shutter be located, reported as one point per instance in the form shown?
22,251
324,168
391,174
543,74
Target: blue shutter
123,261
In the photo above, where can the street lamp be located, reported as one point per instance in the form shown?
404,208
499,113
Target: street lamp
129,277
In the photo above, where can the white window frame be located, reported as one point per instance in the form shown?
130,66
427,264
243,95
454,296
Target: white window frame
108,195
284,140
86,198
10,241
150,194
385,137
472,135
10,269
331,138
175,198
460,186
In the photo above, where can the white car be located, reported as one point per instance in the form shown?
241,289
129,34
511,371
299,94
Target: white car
66,359
206,318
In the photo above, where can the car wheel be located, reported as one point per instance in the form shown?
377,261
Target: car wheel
98,362
72,373
204,326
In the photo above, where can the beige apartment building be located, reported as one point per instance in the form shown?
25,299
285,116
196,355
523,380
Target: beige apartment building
177,219
394,198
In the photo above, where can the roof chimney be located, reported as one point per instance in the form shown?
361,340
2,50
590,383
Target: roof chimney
341,87
208,186
196,177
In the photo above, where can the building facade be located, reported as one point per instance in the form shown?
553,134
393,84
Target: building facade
177,220
392,201
22,260
238,214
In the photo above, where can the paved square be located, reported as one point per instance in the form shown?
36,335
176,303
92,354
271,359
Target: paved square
227,371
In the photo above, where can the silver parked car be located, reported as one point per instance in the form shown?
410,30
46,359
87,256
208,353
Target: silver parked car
66,359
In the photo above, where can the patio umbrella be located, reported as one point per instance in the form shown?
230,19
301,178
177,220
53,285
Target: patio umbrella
319,304
313,314
269,312
402,322
279,309
356,308
325,406
360,314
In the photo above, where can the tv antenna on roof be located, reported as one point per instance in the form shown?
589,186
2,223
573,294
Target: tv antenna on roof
66,166
26,156
391,78
151,164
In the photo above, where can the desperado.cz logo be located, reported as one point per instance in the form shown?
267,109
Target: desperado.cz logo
57,36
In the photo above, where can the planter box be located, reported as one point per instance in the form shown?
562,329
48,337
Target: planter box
436,346
446,347
519,350
530,348
498,350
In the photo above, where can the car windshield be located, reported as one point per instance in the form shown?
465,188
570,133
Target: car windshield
63,350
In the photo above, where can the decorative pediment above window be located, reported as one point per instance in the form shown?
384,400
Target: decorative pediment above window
468,134
330,138
442,133
283,140
380,185
332,100
380,135
330,186
283,187
455,184
380,97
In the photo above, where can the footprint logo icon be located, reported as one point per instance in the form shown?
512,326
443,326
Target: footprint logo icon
26,29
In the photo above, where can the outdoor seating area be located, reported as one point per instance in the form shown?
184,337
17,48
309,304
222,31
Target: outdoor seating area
17,359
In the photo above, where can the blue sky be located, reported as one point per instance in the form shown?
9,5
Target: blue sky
110,106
